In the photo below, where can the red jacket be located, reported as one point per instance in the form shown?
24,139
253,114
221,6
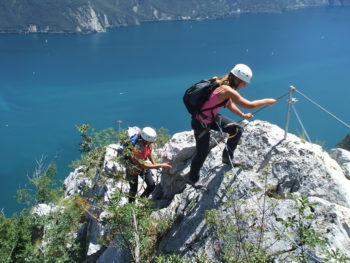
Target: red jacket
141,152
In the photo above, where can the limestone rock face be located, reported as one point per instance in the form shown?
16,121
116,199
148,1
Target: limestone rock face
178,151
93,188
110,165
98,15
269,164
76,182
342,157
296,165
272,168
87,19
46,209
102,186
114,254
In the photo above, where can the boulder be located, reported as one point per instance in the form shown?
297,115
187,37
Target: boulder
270,164
46,209
76,182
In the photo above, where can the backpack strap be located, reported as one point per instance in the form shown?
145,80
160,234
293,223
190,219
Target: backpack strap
134,138
223,103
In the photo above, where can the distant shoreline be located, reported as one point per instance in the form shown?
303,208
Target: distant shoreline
33,28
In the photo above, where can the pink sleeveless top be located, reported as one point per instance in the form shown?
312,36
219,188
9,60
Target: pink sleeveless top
211,102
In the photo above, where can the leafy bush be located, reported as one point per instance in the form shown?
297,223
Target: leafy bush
16,237
28,237
53,237
93,147
133,224
42,188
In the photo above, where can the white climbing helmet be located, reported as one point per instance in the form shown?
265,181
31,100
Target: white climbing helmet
243,72
148,134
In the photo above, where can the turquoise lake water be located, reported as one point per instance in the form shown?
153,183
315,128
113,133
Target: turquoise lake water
50,83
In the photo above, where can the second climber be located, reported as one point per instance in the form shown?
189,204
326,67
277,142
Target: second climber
141,152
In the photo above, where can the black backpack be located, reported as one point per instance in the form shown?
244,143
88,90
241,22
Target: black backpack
198,94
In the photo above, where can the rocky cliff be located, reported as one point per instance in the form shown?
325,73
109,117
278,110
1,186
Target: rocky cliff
286,194
70,16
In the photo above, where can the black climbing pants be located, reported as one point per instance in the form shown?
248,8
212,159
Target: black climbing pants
202,136
147,176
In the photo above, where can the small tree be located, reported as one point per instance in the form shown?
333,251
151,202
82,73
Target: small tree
133,224
43,185
16,237
93,147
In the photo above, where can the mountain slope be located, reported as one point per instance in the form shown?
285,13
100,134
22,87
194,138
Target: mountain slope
97,15
286,198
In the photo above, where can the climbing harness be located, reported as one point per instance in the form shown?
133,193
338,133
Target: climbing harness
231,124
217,121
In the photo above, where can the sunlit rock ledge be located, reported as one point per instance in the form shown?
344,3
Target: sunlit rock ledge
269,164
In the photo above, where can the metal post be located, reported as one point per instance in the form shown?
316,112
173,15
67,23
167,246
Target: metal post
290,102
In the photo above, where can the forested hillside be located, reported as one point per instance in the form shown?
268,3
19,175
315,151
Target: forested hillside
69,16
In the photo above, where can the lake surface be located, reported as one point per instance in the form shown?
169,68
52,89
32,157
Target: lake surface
50,83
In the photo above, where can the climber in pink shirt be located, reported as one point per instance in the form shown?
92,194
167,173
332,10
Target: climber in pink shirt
225,95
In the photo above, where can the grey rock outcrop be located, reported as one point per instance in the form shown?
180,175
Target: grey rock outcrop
76,182
114,255
284,166
342,157
94,188
271,169
101,187
296,166
46,209
345,143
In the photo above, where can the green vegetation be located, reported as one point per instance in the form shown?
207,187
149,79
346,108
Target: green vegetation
170,259
133,224
244,239
93,147
16,16
27,237
43,186
163,137
59,236
16,238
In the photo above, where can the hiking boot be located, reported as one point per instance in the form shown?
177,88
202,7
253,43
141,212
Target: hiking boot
194,185
226,160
